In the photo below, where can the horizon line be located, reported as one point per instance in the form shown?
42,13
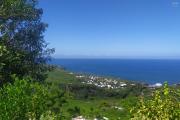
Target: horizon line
125,58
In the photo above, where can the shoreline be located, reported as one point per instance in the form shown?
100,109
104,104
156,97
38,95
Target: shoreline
151,85
111,82
144,71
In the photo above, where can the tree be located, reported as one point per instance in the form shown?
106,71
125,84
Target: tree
23,50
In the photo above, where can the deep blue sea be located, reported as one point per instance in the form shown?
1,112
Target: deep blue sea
148,71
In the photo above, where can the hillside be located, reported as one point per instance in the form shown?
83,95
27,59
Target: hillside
93,100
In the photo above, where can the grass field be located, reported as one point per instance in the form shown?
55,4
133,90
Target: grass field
91,107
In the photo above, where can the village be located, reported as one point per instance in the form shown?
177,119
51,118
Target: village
110,83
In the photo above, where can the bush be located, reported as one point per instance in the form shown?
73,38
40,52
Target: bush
23,100
164,105
48,116
76,111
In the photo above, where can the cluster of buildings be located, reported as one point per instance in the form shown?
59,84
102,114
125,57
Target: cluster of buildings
111,83
103,82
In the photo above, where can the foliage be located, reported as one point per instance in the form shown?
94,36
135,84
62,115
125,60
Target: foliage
49,116
164,105
89,100
57,99
23,50
23,100
76,111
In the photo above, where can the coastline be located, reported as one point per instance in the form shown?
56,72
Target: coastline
144,71
111,82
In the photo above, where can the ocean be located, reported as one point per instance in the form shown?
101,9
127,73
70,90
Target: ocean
147,71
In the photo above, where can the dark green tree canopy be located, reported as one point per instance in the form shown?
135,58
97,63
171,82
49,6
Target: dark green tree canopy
23,50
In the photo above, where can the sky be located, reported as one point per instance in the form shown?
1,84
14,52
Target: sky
113,28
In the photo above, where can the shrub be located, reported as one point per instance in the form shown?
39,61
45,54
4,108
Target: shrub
23,100
76,111
48,116
164,105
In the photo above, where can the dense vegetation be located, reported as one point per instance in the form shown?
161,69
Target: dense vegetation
164,105
90,101
25,99
23,50
22,100
161,103
27,93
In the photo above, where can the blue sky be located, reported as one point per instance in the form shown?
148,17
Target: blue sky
113,28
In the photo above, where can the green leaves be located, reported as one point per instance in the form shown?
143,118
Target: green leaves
164,105
23,100
17,9
23,49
